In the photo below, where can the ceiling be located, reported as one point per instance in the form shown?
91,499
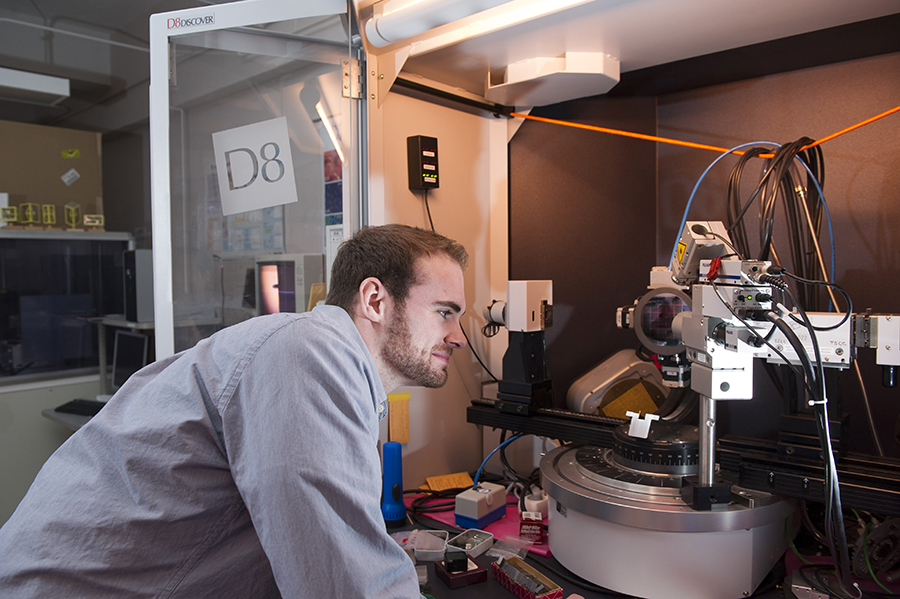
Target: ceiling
639,34
107,55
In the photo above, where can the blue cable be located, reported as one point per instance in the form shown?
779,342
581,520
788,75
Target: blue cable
504,444
700,180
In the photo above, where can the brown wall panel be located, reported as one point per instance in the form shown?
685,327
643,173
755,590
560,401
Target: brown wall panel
862,189
582,208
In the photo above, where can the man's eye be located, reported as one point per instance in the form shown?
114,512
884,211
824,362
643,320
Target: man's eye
444,313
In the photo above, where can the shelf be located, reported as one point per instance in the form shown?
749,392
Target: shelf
7,233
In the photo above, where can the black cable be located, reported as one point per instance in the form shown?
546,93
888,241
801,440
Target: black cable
847,314
815,160
420,505
519,480
774,179
808,523
735,221
758,336
819,373
822,585
490,329
469,343
795,342
835,530
429,495
474,353
781,179
427,208
727,242
516,477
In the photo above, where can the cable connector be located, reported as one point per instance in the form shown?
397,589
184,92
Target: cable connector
767,279
767,274
782,308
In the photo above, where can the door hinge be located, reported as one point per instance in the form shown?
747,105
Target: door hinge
352,78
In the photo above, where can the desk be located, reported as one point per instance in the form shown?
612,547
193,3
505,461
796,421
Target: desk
119,321
70,421
494,590
491,589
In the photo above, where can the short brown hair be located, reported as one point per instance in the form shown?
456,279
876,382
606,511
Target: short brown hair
388,253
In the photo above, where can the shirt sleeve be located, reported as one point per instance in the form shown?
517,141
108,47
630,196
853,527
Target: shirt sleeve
301,431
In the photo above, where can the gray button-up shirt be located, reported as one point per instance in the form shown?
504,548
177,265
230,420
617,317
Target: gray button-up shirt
246,466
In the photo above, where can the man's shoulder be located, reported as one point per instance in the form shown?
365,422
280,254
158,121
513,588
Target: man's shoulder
324,318
324,325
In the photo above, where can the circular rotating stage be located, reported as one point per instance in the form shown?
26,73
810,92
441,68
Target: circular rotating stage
617,519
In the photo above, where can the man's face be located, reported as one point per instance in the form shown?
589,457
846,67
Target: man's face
424,330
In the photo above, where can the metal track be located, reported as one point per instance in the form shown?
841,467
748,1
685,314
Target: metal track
867,482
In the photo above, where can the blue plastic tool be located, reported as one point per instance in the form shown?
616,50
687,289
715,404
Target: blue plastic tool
392,507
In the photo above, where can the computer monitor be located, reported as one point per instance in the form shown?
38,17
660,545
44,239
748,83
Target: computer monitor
129,356
284,281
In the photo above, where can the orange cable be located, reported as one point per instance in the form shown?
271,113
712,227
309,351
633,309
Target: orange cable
856,126
676,142
690,144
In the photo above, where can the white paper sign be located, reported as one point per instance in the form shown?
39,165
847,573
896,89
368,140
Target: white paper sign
254,166
70,176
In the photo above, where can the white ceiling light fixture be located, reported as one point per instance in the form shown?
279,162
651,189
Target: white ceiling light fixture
22,86
335,140
397,30
402,19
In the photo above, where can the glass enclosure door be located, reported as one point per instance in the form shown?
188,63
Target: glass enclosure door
262,177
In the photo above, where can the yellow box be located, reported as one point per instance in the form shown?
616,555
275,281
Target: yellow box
48,214
29,214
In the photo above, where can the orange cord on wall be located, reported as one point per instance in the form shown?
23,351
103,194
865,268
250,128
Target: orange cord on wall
690,144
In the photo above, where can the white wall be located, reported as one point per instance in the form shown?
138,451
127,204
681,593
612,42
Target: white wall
27,438
470,206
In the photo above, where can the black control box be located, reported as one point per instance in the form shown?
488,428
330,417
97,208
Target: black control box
422,155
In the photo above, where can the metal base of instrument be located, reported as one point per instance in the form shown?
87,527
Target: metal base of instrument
628,530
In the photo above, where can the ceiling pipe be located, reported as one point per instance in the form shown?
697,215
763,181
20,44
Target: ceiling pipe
402,19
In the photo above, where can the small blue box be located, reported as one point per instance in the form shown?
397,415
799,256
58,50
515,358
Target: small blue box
480,523
481,505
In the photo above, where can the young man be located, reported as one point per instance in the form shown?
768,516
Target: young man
247,466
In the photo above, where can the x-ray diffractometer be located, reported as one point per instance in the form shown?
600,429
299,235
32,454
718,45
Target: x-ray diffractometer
651,514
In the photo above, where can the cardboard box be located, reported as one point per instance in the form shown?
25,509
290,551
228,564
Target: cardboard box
54,174
553,591
531,527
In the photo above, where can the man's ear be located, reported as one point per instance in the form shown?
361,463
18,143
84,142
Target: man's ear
374,300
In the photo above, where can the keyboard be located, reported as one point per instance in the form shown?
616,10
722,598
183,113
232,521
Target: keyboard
81,407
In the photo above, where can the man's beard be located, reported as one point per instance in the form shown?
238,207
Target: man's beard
414,364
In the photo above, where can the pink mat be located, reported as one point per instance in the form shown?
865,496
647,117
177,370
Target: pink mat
508,525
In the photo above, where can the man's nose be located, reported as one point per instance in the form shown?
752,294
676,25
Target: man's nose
456,339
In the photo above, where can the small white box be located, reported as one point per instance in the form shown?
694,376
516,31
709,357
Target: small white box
435,554
479,506
473,542
529,305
